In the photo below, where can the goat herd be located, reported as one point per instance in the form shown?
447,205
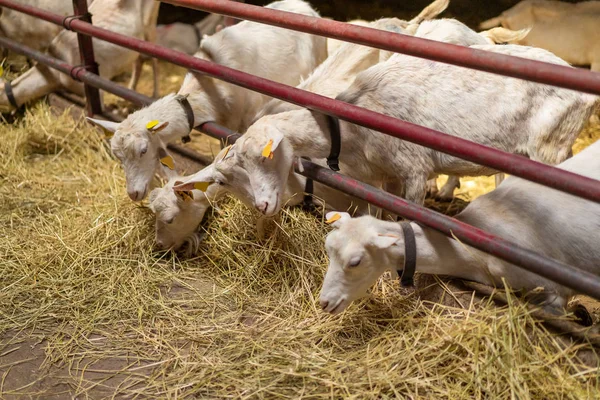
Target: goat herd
516,116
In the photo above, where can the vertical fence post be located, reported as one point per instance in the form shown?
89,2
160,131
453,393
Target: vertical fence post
86,52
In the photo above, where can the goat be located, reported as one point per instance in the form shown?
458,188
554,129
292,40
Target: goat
273,53
570,31
122,16
547,221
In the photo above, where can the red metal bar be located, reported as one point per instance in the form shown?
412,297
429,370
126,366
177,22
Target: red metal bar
583,80
515,165
86,52
564,274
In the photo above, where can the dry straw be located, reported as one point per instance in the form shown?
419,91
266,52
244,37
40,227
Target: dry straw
80,280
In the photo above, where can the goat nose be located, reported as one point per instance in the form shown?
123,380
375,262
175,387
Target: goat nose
134,195
324,304
160,244
262,207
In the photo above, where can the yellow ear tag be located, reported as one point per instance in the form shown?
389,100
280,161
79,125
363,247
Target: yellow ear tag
267,152
108,134
168,162
1,70
202,186
152,124
333,218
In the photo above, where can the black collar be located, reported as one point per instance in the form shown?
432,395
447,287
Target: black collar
307,202
189,113
407,273
10,95
336,143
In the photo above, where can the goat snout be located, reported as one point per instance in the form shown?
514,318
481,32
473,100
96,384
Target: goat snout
262,206
136,195
324,303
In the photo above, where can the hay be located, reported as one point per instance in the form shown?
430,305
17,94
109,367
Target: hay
240,320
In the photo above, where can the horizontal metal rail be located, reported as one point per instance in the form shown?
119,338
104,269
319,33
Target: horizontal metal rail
515,165
575,278
517,67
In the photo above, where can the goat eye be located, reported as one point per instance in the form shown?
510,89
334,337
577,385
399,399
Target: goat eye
144,150
355,262
169,221
221,183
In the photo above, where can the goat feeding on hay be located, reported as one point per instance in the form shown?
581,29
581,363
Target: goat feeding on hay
251,47
550,222
505,113
31,31
570,31
179,213
135,18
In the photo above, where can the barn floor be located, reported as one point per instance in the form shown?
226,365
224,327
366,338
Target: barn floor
89,310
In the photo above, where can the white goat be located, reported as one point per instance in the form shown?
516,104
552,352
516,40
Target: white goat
178,214
274,53
31,31
570,31
512,115
122,16
547,221
329,79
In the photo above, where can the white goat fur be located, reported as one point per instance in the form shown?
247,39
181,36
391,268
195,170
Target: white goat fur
570,31
121,16
278,54
547,221
512,115
177,220
31,31
455,32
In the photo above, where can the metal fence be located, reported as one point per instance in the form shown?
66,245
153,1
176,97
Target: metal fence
582,80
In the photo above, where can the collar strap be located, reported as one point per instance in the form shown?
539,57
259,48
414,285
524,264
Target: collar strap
410,255
336,143
189,113
309,190
10,95
198,35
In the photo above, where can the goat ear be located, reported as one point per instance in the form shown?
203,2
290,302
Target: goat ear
186,195
337,218
274,137
384,241
108,126
201,180
156,126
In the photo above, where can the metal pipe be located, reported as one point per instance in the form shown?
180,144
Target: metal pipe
86,52
569,276
583,80
510,163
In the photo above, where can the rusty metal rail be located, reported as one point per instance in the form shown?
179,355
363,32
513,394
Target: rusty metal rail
513,164
583,80
575,278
